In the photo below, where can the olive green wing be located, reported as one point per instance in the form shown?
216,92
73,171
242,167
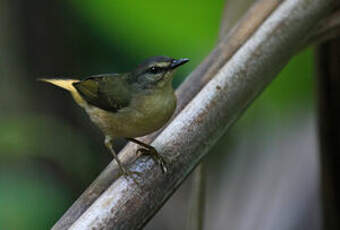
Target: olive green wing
109,91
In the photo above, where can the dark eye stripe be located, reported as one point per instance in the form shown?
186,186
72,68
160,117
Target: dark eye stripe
156,69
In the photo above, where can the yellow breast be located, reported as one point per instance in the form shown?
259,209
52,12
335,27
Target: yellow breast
145,114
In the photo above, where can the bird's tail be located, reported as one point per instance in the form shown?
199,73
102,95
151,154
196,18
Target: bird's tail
62,83
68,85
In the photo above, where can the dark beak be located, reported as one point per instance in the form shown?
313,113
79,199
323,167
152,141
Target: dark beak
175,63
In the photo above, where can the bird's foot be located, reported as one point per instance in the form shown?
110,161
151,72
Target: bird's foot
155,155
149,150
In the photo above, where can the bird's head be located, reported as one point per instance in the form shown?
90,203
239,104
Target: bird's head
157,72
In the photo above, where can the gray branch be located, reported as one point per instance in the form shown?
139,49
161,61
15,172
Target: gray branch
327,29
232,88
233,11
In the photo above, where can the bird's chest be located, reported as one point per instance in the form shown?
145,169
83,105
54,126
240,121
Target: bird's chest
145,114
153,111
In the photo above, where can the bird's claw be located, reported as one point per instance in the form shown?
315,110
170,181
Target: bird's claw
155,155
142,151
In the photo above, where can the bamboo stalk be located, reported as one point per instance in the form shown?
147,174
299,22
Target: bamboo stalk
233,11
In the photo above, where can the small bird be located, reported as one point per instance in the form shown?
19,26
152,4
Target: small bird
128,105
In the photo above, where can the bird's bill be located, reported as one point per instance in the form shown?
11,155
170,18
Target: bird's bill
178,62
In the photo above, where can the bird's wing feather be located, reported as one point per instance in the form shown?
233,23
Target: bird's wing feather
109,92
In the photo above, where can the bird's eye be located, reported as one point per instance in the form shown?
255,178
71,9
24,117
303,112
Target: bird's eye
155,69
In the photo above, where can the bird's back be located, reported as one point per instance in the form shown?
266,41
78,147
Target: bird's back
110,92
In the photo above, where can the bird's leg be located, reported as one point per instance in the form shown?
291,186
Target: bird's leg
149,150
125,171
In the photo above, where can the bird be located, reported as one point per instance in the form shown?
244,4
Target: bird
128,105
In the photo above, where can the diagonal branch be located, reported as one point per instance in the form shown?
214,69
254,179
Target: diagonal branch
233,11
193,84
327,29
233,86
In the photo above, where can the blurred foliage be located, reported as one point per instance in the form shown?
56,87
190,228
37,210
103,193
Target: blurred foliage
293,87
42,137
146,28
48,159
291,92
29,198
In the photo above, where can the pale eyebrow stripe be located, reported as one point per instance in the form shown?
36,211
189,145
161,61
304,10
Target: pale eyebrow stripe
160,64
